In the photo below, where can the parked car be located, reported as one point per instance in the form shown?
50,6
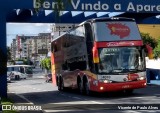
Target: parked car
49,77
8,77
17,72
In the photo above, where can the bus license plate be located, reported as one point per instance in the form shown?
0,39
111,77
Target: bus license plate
125,86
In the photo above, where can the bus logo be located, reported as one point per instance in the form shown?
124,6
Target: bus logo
119,29
6,107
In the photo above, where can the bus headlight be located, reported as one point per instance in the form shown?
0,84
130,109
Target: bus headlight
141,78
101,88
105,81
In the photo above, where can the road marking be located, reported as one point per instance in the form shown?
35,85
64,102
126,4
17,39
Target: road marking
21,96
38,89
63,94
76,97
45,90
97,102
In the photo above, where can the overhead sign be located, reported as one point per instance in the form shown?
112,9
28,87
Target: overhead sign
42,51
136,6
64,27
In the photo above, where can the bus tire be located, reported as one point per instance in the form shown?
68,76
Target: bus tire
57,81
62,85
80,87
59,84
87,89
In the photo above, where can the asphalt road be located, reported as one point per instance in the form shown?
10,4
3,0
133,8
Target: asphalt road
36,91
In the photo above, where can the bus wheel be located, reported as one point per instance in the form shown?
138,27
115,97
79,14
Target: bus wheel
62,85
86,88
80,87
59,84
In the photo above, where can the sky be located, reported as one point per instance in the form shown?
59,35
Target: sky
27,29
14,29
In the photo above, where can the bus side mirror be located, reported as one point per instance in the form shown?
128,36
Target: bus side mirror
149,51
95,55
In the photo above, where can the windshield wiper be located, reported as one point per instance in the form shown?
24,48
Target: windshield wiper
125,70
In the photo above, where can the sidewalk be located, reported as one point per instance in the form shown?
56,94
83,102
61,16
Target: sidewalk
153,71
154,82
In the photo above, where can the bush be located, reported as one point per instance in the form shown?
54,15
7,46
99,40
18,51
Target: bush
46,63
157,50
147,39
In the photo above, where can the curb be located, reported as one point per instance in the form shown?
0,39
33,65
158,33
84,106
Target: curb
150,84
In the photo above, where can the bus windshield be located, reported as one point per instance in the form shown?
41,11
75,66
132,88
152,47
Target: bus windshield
121,60
116,31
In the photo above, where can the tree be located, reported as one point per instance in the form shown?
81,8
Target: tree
147,39
8,53
155,44
157,49
46,63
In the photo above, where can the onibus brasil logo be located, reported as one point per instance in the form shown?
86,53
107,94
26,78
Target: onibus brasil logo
21,108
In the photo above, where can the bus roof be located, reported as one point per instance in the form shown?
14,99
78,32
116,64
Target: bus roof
107,19
99,20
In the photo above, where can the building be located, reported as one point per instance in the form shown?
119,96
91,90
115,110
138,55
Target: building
31,47
13,49
151,29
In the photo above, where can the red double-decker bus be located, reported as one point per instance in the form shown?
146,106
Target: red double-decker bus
101,55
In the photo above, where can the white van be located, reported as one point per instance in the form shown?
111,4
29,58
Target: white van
19,71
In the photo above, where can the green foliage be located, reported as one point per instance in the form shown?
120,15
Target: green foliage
155,44
25,61
147,39
157,50
8,53
46,63
8,101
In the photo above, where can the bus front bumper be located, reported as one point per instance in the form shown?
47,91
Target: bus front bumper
110,87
